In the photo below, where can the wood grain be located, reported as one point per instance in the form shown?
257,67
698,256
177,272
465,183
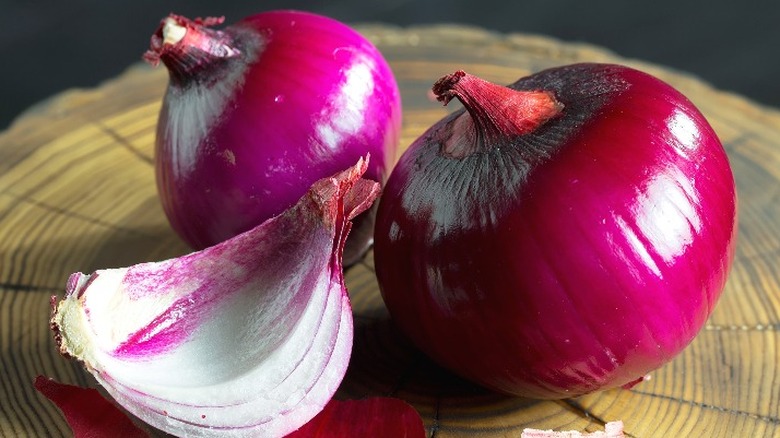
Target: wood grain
77,194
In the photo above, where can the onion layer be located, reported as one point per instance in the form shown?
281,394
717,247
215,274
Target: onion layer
249,337
565,234
256,112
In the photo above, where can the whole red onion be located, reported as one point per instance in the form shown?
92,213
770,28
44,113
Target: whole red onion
256,112
565,234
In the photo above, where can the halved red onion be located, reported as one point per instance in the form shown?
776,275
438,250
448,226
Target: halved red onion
251,336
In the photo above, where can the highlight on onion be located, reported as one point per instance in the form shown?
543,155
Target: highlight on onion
565,234
249,337
256,112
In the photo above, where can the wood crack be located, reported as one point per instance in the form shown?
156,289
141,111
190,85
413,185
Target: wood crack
125,143
406,374
435,420
577,408
17,287
574,406
365,264
75,215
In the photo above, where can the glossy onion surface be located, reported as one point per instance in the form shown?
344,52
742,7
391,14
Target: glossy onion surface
256,112
570,259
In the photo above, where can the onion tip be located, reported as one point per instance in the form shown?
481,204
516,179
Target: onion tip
498,111
443,89
177,33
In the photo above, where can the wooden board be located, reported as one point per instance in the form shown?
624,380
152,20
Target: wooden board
77,193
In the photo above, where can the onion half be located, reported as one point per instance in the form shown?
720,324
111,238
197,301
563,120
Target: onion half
249,337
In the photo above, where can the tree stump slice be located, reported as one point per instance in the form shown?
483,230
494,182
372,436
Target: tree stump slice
77,193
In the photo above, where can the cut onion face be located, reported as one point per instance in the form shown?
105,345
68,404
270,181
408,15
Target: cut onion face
251,336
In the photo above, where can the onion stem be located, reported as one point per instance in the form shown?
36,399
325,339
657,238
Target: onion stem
186,46
498,112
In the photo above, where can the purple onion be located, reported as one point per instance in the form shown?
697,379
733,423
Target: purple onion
256,112
569,233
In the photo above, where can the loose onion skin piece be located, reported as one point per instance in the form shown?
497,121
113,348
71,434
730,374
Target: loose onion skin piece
256,112
613,429
574,257
88,414
374,417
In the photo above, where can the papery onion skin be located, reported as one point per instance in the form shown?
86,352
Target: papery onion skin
273,103
373,417
574,258
88,414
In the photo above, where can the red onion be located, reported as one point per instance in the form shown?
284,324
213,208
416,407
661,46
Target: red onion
565,234
256,112
249,337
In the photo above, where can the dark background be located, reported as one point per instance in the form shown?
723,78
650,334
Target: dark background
47,46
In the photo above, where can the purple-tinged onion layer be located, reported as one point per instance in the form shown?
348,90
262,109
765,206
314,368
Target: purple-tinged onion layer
256,112
566,246
250,336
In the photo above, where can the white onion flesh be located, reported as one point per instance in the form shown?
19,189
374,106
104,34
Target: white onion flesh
250,337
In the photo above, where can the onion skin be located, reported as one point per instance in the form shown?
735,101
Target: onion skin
258,111
574,258
88,414
366,417
613,429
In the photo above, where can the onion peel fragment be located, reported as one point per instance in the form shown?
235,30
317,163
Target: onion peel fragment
87,412
370,417
613,429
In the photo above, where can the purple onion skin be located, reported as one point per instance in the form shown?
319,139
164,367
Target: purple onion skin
575,258
316,97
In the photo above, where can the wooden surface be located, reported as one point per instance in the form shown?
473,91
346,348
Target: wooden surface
77,193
